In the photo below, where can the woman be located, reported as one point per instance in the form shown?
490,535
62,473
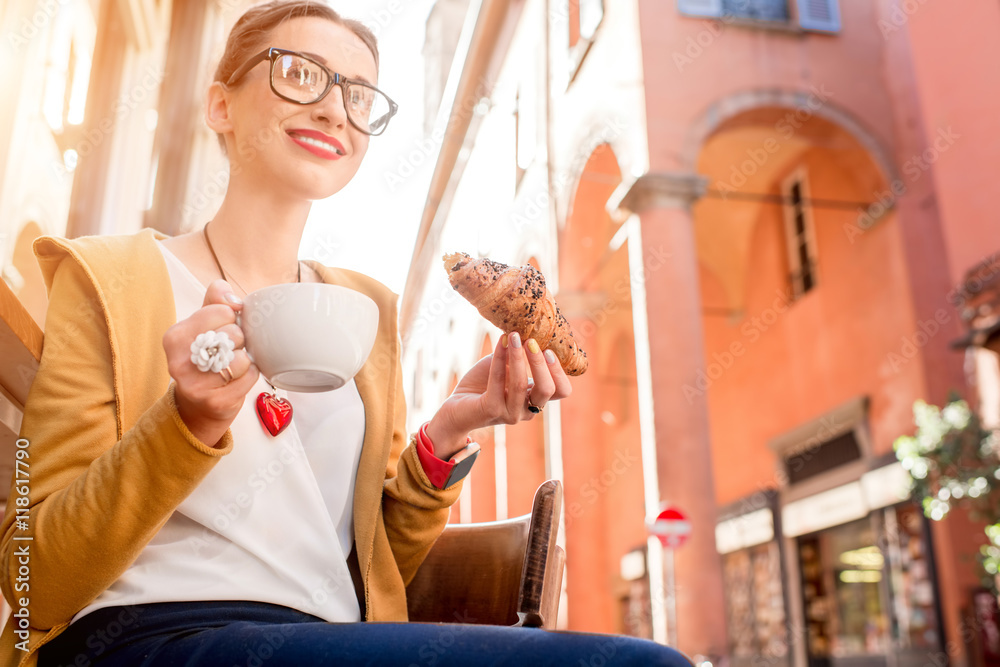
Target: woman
164,525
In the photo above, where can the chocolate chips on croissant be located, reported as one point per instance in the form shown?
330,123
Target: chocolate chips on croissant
516,299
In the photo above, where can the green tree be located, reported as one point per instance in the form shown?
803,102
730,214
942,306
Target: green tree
952,461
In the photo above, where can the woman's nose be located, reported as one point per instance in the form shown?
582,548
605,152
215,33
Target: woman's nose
331,108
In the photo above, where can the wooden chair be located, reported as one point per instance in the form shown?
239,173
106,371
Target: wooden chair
20,352
501,573
498,573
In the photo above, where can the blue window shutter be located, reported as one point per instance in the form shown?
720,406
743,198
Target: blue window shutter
700,7
822,15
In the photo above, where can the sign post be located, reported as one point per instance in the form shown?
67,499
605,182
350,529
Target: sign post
673,529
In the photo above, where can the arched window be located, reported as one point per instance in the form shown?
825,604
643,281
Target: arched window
800,237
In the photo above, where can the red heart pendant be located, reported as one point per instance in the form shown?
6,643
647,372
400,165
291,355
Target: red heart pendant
275,413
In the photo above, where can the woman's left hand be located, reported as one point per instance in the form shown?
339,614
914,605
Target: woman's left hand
497,391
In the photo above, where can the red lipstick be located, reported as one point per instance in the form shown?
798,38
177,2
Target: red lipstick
318,143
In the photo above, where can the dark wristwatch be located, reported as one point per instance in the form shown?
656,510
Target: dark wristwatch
463,464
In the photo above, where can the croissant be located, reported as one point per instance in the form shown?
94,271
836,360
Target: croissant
516,299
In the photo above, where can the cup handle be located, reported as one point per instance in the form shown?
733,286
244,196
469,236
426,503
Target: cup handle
239,323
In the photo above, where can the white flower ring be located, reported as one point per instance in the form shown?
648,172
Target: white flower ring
212,351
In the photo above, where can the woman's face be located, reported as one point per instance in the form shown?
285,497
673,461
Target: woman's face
265,140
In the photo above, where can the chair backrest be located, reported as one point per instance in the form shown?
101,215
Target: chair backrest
20,352
497,573
472,574
20,346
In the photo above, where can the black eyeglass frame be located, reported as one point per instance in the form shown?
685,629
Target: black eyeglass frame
271,54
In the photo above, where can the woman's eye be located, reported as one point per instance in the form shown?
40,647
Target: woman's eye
358,98
303,75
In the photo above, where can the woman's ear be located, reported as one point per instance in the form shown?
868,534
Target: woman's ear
217,108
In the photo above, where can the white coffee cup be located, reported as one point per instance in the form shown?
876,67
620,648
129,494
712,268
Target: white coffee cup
308,337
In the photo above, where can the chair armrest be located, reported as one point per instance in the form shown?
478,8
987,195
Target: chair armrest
538,602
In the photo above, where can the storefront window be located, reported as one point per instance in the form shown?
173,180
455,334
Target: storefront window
916,622
841,580
755,604
868,590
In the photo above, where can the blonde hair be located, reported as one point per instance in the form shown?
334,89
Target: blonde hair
251,31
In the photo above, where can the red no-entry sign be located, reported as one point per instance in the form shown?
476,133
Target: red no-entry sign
672,527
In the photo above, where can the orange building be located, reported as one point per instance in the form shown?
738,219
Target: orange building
757,214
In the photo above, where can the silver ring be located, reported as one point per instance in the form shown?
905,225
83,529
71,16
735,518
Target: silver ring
212,351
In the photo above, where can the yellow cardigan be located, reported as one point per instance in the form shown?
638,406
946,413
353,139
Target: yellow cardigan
110,458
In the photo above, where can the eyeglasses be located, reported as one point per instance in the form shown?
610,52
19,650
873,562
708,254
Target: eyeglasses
299,79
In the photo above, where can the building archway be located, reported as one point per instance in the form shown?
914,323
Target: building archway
805,292
748,159
797,108
604,503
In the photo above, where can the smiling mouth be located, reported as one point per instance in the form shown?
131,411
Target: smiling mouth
322,145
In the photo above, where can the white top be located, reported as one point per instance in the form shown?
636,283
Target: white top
273,520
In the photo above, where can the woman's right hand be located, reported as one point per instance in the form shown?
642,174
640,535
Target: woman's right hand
205,402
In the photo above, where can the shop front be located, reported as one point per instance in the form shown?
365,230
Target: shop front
868,592
835,568
753,570
864,579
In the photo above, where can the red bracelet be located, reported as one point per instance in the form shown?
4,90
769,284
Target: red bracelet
437,469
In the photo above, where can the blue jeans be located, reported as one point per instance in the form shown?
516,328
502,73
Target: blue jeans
257,634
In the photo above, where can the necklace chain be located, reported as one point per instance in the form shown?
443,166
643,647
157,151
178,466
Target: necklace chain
230,277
